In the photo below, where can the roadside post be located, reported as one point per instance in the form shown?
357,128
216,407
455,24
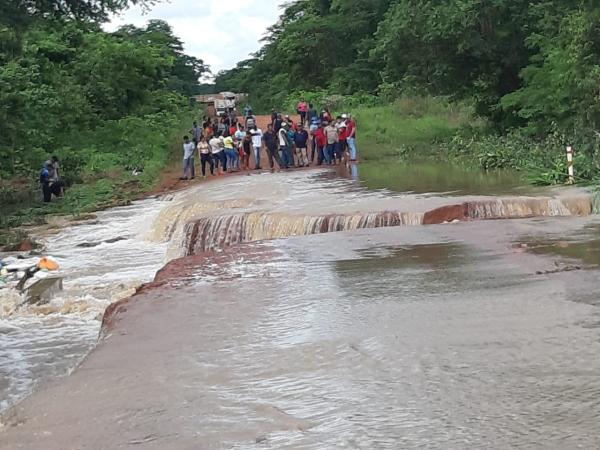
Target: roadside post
570,165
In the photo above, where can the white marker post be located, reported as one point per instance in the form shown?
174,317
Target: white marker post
570,165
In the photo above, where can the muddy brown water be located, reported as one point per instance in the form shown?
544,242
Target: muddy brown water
363,339
431,177
436,337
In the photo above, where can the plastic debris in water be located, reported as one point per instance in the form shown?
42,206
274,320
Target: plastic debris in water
47,264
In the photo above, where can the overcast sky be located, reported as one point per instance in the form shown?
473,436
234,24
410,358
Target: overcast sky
220,32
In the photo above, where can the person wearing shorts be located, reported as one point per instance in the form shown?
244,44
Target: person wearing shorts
301,142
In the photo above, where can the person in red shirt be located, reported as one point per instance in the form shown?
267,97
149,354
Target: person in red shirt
321,142
232,129
302,109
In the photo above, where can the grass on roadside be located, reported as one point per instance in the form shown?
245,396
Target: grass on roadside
98,186
411,125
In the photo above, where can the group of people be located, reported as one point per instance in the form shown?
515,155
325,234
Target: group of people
50,180
227,144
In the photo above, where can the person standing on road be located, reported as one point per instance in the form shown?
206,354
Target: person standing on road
218,153
290,122
321,143
250,121
188,159
285,146
291,132
277,123
205,157
56,181
233,128
312,113
47,187
257,138
301,142
315,124
331,133
273,116
343,135
208,131
351,139
196,133
222,128
270,140
302,109
247,150
238,138
230,153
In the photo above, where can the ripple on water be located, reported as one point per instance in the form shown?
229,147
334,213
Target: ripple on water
399,347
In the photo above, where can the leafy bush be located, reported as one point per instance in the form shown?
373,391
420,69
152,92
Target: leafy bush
543,161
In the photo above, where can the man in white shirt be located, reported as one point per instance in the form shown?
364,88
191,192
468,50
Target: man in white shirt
285,147
257,136
218,154
189,172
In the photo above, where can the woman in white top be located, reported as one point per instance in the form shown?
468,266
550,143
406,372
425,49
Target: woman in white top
204,152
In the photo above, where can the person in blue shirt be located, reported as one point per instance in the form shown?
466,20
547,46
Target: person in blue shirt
315,124
46,183
291,134
301,142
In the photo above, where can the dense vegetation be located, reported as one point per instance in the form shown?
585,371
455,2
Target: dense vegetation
530,69
104,103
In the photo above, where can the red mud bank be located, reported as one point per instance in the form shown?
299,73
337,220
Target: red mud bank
207,265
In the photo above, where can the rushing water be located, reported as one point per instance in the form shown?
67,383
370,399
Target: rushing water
39,343
106,259
437,337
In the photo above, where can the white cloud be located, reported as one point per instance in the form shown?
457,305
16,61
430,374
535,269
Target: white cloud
220,32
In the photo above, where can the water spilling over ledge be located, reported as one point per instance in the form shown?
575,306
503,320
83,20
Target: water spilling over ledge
215,232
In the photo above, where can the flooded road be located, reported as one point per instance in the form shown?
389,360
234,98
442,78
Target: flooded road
460,335
439,337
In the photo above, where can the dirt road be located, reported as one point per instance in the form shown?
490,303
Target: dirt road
170,180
